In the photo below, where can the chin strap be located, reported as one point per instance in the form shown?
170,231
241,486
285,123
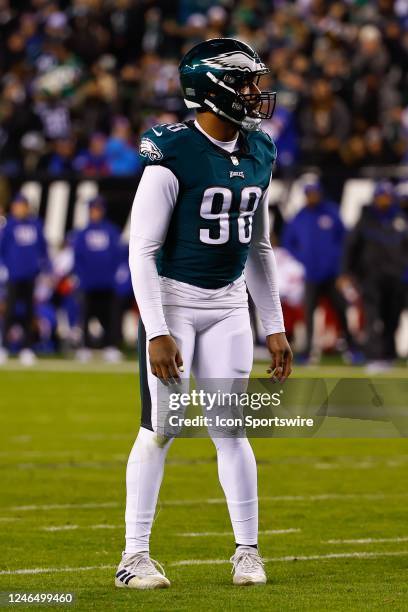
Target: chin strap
248,123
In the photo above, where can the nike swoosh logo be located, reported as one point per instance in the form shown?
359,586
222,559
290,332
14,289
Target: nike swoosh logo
156,132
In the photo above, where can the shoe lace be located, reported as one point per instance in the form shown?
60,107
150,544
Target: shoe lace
247,561
144,563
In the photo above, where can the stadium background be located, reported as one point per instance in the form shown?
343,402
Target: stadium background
80,81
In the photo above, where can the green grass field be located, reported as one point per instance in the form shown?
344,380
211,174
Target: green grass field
339,507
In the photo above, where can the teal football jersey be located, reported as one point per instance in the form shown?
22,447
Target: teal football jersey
211,226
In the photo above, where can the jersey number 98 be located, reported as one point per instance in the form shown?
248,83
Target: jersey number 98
250,197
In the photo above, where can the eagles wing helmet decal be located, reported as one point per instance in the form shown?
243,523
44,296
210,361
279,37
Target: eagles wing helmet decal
233,60
149,149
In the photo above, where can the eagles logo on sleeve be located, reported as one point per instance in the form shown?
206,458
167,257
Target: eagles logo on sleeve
150,149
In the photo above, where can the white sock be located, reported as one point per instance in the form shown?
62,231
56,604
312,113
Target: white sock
238,477
144,475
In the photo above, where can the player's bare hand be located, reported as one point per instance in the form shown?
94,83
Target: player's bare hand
282,357
165,359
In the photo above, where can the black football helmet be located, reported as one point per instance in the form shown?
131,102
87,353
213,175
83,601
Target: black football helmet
213,73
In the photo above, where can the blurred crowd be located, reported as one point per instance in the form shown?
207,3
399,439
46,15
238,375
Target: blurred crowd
364,270
76,299
81,79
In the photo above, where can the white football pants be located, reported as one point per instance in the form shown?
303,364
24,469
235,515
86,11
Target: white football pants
214,344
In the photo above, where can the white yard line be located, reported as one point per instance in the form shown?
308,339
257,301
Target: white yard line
191,534
349,555
358,465
97,365
71,365
77,462
85,506
53,528
187,562
54,570
292,498
203,534
367,540
215,501
333,496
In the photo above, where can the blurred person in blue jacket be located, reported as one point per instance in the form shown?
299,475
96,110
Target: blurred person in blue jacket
66,297
23,252
97,256
124,296
283,129
315,237
61,160
376,259
93,161
122,157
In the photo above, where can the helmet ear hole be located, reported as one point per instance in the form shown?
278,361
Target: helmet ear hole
229,78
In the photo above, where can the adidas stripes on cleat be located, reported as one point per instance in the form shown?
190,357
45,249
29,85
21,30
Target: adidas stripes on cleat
139,571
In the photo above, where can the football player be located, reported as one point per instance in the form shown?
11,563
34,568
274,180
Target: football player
199,238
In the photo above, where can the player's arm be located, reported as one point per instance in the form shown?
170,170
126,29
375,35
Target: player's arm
261,279
151,213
